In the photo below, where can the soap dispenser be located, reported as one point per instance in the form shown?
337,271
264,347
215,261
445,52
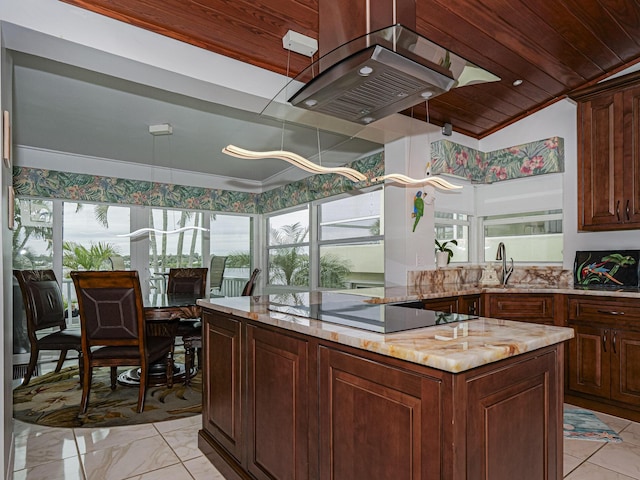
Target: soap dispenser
489,276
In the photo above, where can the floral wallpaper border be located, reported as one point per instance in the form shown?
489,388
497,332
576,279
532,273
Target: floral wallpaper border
33,182
530,159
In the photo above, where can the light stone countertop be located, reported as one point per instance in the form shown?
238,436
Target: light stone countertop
453,348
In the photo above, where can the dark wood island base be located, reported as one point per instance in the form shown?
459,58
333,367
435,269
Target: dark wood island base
279,404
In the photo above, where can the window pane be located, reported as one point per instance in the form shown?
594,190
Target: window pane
173,250
231,237
289,266
289,228
89,234
534,239
351,217
352,265
33,234
453,226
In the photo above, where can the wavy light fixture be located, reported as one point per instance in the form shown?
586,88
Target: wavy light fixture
437,182
293,159
142,231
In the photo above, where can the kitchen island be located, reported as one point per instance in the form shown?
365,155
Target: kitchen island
289,396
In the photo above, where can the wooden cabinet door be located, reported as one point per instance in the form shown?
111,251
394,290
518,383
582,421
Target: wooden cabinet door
470,305
625,366
631,210
222,395
377,421
600,176
277,410
514,421
589,361
446,304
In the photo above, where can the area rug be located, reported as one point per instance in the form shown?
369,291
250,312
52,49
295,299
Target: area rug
53,400
584,425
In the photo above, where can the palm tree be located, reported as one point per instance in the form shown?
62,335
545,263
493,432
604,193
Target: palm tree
289,265
79,257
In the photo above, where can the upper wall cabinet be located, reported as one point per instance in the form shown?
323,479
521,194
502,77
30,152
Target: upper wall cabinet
609,155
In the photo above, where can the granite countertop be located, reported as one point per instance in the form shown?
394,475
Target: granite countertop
401,294
454,347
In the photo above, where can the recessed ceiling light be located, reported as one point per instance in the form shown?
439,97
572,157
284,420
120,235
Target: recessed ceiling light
365,71
517,82
368,120
426,94
310,102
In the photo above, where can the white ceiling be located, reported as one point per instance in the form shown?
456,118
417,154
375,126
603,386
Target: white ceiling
66,108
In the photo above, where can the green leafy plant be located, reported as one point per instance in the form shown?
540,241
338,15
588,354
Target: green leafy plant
442,247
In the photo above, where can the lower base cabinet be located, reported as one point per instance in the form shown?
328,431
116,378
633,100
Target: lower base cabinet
604,356
282,405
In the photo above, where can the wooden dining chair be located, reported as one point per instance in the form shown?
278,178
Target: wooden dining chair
44,308
188,281
216,272
113,329
192,341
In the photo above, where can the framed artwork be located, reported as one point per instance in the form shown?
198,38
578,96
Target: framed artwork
611,268
6,139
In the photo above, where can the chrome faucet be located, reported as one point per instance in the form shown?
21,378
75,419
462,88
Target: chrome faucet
502,255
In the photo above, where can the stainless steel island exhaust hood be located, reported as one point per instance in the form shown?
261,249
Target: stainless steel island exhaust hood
373,64
381,73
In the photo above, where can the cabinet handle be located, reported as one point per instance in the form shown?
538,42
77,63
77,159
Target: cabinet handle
627,211
614,341
610,312
618,210
472,309
604,341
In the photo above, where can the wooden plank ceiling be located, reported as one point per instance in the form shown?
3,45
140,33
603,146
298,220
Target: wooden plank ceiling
553,46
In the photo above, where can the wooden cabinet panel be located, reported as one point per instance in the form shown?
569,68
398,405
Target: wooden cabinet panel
377,421
625,372
222,414
278,417
589,361
530,307
609,158
527,394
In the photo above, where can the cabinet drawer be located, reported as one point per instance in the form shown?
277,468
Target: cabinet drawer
531,307
447,304
596,309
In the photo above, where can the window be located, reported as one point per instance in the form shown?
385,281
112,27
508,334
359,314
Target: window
454,226
174,250
351,245
33,234
528,237
230,236
288,248
89,237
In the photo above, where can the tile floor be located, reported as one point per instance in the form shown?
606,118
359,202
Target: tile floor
168,450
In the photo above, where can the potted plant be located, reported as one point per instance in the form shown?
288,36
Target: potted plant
443,252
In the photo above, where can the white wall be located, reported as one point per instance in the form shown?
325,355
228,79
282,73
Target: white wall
559,119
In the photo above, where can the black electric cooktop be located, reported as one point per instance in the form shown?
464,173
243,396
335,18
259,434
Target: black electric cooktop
354,311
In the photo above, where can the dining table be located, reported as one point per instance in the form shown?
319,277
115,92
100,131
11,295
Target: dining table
163,312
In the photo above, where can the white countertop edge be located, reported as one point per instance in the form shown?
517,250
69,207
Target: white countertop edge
403,346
